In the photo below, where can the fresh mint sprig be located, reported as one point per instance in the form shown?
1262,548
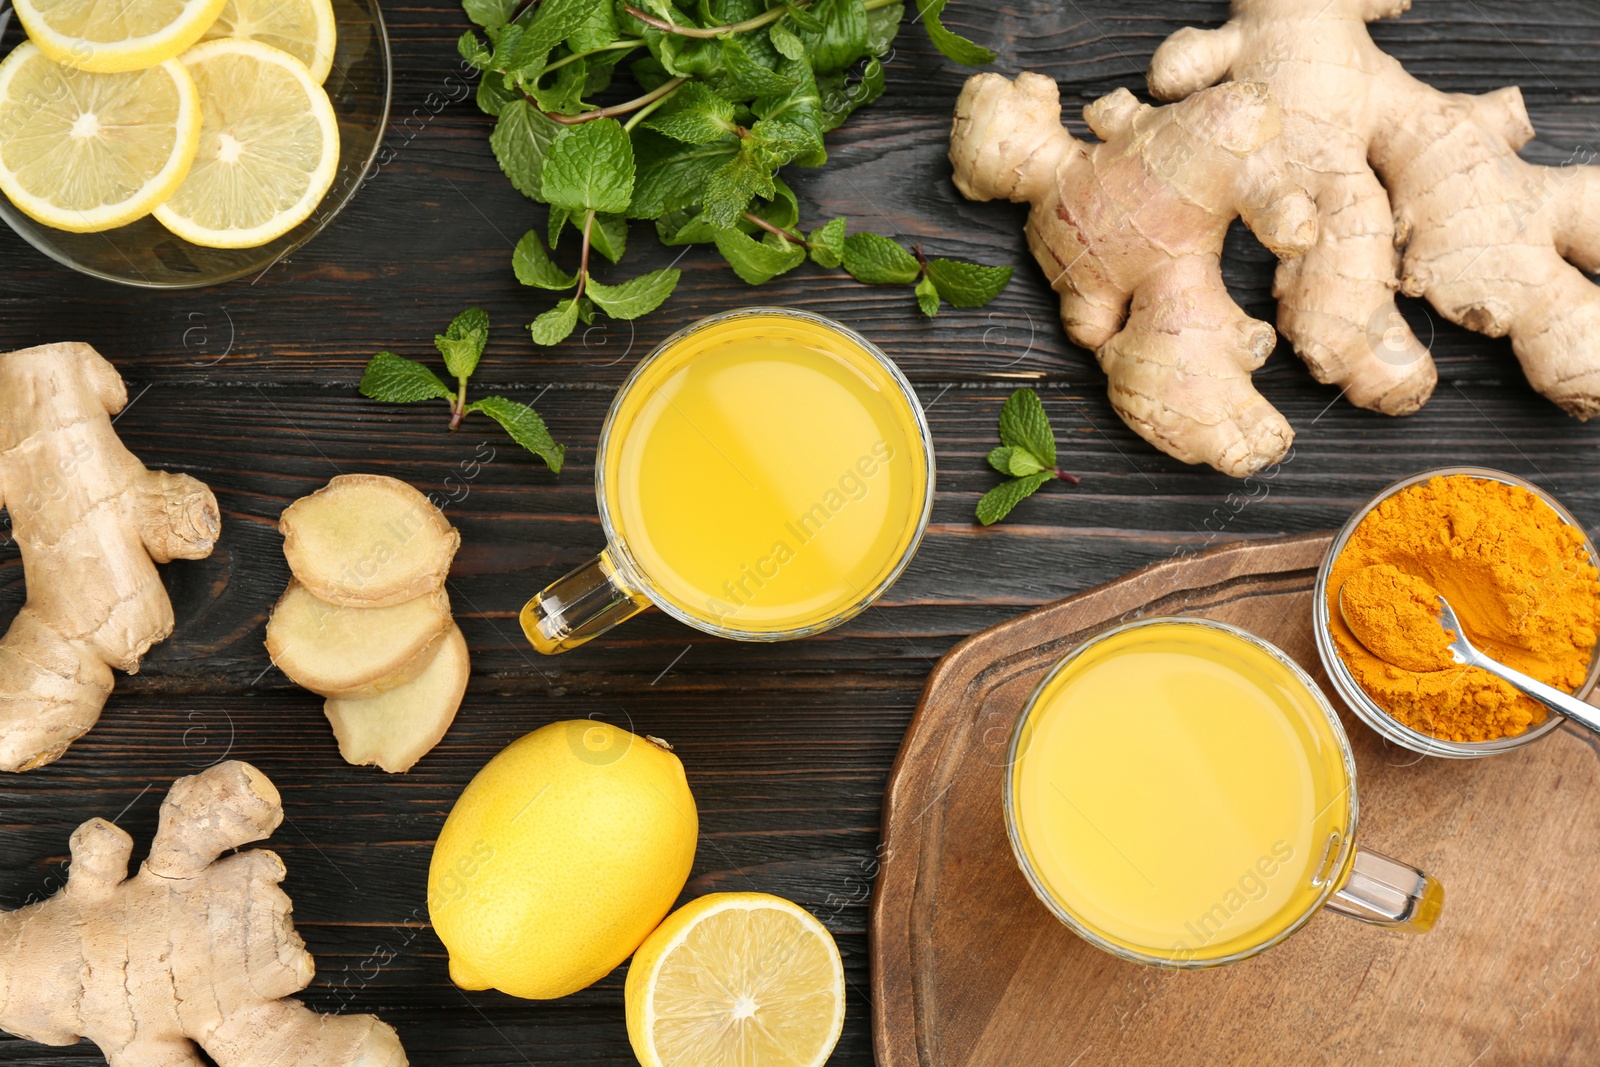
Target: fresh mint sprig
727,96
1027,455
396,380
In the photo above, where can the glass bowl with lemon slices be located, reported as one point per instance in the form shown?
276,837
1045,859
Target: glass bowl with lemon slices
171,144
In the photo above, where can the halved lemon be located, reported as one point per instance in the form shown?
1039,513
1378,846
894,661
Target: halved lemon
87,152
736,980
269,147
118,35
303,28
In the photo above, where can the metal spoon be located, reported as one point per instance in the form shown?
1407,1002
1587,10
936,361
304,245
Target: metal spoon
1463,652
1566,704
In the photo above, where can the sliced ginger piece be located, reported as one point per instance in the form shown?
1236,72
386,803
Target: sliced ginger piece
365,540
399,726
343,651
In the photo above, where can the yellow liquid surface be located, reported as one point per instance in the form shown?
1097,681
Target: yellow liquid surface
766,473
1176,790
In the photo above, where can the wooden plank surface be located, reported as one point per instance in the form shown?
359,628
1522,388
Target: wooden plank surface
972,971
251,388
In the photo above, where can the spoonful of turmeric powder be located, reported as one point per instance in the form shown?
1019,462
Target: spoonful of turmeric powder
1403,620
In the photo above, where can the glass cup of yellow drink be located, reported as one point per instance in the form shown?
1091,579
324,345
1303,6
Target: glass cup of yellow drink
1180,793
764,474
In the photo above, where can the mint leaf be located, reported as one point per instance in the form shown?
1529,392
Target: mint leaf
685,227
555,325
998,502
473,51
967,285
493,95
672,175
635,297
462,343
782,208
460,352
879,261
1023,424
758,261
589,167
696,115
827,243
731,187
396,380
586,310
803,18
564,95
596,27
927,296
748,77
800,106
525,427
776,142
843,40
558,220
470,320
602,69
841,97
883,25
521,142
490,14
535,267
553,22
1013,461
609,236
785,42
951,44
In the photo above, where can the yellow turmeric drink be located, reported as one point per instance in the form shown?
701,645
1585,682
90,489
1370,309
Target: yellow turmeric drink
1180,794
766,474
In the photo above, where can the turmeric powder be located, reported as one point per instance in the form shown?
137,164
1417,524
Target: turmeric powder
1519,578
1396,616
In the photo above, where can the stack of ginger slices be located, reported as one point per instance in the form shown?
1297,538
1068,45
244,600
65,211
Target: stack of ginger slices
366,622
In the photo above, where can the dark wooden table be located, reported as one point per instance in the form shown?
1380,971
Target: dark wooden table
251,387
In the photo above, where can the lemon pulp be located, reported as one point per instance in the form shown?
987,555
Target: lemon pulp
306,29
86,152
269,147
736,980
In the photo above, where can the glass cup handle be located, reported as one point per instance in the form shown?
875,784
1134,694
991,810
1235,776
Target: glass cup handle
581,605
1386,892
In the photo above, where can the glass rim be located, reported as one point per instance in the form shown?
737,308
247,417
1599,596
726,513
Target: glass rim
1088,933
25,228
634,576
1369,710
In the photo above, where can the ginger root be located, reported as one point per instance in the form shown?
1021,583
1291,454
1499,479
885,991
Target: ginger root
1497,244
1494,243
198,948
1130,232
91,523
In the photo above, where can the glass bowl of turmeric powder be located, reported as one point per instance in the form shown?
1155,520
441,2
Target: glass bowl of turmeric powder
1520,573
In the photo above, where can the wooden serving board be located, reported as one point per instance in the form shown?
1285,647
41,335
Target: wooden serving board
970,970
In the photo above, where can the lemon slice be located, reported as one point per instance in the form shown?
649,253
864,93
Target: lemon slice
736,980
118,35
88,152
269,147
303,28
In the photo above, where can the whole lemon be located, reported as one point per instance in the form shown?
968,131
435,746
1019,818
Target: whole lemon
559,859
